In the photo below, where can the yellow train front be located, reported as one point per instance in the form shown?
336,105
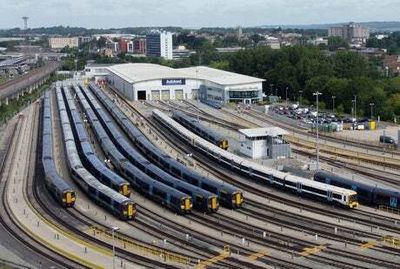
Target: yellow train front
223,144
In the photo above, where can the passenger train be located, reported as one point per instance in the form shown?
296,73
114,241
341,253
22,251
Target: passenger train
203,131
228,195
163,194
58,188
96,167
301,186
202,200
116,203
366,193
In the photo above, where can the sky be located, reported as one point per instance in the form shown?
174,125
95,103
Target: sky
192,13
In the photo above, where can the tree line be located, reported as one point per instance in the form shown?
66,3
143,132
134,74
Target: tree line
299,71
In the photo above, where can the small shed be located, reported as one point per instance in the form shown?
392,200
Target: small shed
264,143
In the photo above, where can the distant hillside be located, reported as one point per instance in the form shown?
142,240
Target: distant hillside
385,26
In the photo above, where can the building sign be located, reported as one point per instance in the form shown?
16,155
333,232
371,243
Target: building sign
173,81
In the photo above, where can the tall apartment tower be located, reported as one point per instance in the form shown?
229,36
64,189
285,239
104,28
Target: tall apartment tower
159,44
351,32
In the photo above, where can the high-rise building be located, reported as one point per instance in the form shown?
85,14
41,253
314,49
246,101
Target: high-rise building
159,44
352,32
139,46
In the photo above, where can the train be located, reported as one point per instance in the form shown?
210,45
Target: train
62,192
203,200
161,193
213,104
366,193
203,131
119,205
96,167
228,195
262,174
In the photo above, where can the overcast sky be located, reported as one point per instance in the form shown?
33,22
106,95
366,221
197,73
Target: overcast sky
192,13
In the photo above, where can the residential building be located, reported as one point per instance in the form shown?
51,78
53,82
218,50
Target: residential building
139,46
391,64
352,32
159,44
62,42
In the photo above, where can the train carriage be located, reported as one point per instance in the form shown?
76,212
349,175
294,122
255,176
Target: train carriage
58,188
302,186
118,204
366,194
163,194
232,199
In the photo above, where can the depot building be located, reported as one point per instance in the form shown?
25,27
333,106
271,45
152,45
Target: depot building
142,81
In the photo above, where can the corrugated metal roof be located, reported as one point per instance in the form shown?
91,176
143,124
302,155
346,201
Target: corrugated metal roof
138,72
217,76
266,131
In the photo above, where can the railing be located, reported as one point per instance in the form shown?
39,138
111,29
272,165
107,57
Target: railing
142,248
389,209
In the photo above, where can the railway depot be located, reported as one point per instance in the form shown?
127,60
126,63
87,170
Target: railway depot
151,82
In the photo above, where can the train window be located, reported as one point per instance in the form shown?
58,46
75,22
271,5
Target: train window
159,193
289,183
104,198
223,195
209,188
311,189
337,196
174,200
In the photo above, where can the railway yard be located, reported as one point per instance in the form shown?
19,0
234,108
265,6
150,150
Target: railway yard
92,180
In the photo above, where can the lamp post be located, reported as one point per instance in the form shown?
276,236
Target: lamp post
113,229
355,107
286,97
333,103
301,95
270,88
372,107
316,94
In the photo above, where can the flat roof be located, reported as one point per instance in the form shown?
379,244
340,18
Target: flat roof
260,132
138,72
218,76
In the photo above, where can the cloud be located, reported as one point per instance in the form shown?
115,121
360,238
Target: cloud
191,13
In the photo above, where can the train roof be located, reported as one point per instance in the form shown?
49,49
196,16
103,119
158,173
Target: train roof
198,125
242,161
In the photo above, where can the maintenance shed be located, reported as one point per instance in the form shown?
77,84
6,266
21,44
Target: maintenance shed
143,81
264,143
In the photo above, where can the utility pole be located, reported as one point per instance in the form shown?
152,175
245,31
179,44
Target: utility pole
333,103
372,107
355,107
317,94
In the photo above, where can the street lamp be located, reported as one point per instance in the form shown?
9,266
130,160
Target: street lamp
270,87
286,97
355,107
113,229
372,107
333,103
301,95
316,94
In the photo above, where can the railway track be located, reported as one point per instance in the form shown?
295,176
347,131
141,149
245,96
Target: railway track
360,258
48,257
268,119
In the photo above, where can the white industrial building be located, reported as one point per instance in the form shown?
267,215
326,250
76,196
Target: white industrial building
262,143
142,81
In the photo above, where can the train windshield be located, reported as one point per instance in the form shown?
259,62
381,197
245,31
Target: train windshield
186,204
